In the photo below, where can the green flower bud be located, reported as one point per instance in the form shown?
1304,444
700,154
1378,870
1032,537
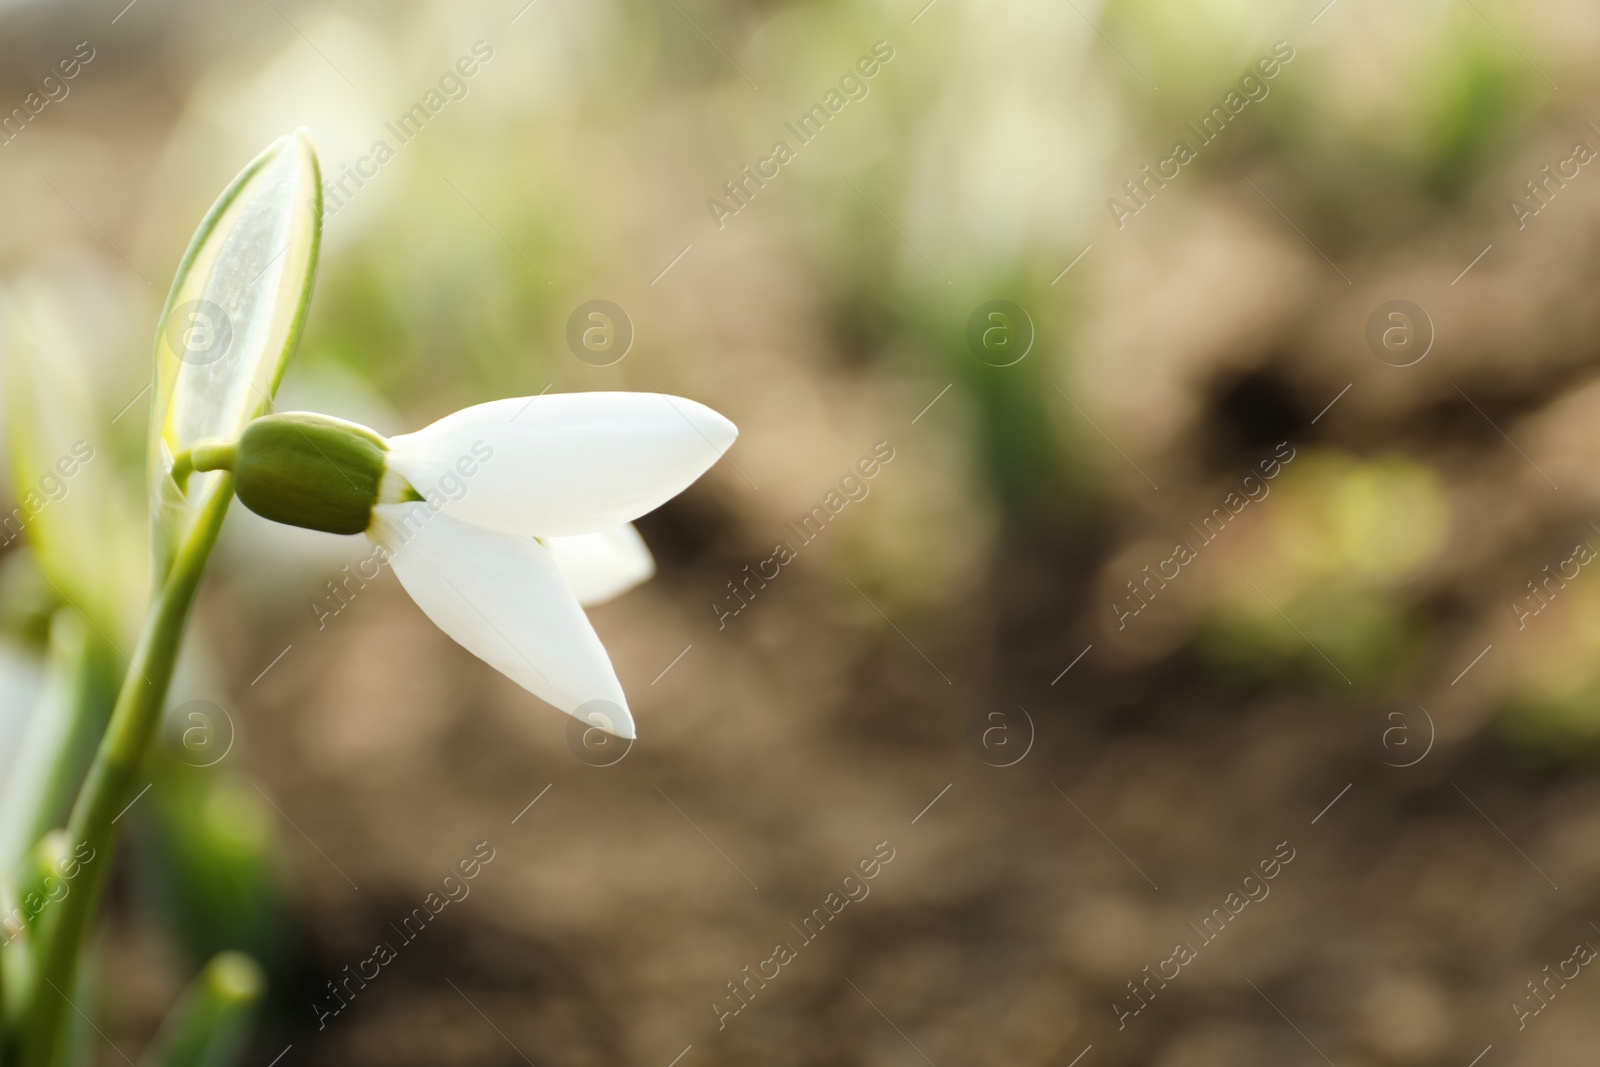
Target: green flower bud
304,469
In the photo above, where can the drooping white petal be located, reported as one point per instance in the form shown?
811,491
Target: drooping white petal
503,599
556,466
600,566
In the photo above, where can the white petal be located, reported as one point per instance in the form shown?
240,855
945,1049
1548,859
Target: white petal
571,463
600,566
504,600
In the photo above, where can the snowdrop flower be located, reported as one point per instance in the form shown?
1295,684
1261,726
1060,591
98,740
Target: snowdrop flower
500,520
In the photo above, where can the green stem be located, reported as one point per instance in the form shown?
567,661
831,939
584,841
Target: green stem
208,1026
109,786
207,455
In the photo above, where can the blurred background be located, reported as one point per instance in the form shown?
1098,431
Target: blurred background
1239,506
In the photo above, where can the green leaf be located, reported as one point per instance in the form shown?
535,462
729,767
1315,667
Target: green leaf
58,741
231,323
209,863
207,1028
61,459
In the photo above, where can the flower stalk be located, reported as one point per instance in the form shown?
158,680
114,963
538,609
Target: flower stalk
231,286
110,786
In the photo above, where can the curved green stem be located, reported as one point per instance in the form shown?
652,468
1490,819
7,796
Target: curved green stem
208,455
109,786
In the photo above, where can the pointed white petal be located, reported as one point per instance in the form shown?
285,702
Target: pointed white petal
503,599
555,466
600,566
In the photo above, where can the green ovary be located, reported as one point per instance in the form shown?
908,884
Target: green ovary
304,469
